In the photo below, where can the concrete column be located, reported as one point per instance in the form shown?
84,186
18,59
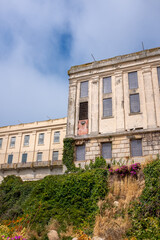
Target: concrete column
94,106
119,109
149,98
71,110
156,94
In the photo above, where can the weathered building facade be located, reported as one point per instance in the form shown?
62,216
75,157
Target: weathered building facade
114,107
32,150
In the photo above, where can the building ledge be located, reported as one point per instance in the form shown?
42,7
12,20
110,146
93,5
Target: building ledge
30,165
114,134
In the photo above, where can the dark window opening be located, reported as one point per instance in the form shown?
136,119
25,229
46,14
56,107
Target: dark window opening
83,111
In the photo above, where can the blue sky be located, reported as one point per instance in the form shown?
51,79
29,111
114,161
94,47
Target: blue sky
41,39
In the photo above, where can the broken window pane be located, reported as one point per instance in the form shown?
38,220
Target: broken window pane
83,111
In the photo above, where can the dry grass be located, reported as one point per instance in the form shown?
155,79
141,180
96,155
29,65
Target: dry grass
68,233
113,220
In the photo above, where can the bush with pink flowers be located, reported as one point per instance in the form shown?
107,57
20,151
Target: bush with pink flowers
126,170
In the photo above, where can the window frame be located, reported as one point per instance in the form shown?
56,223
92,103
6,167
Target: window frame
131,147
54,156
110,115
1,142
12,143
10,155
39,154
131,112
81,113
102,144
106,78
26,143
84,154
25,158
82,95
39,139
58,137
158,75
129,80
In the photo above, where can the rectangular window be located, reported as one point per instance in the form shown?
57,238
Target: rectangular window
1,140
107,107
24,157
10,158
136,147
55,155
56,137
107,150
26,140
158,72
84,89
13,141
134,103
83,111
133,80
107,88
39,156
41,138
80,153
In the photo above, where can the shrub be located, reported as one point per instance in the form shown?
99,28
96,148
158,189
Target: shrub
100,162
145,212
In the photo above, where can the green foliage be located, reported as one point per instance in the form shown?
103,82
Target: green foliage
145,212
100,162
12,194
68,153
70,199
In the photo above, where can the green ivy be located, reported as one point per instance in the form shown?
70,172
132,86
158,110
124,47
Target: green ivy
68,153
145,212
70,199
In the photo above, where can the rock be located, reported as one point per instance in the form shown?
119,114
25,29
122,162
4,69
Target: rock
53,235
116,203
97,238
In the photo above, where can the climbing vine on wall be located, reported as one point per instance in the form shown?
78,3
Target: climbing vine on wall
68,153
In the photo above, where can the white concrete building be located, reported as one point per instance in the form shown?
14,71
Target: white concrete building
32,150
114,107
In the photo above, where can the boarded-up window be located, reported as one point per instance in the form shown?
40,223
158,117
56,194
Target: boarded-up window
55,155
107,107
133,80
41,138
84,89
107,150
80,153
26,140
136,147
10,158
39,156
1,139
83,111
13,141
134,103
158,72
24,157
56,136
107,85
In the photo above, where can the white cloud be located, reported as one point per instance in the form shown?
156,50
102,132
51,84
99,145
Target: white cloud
33,64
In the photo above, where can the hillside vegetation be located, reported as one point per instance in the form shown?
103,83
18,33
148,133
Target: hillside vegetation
109,205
